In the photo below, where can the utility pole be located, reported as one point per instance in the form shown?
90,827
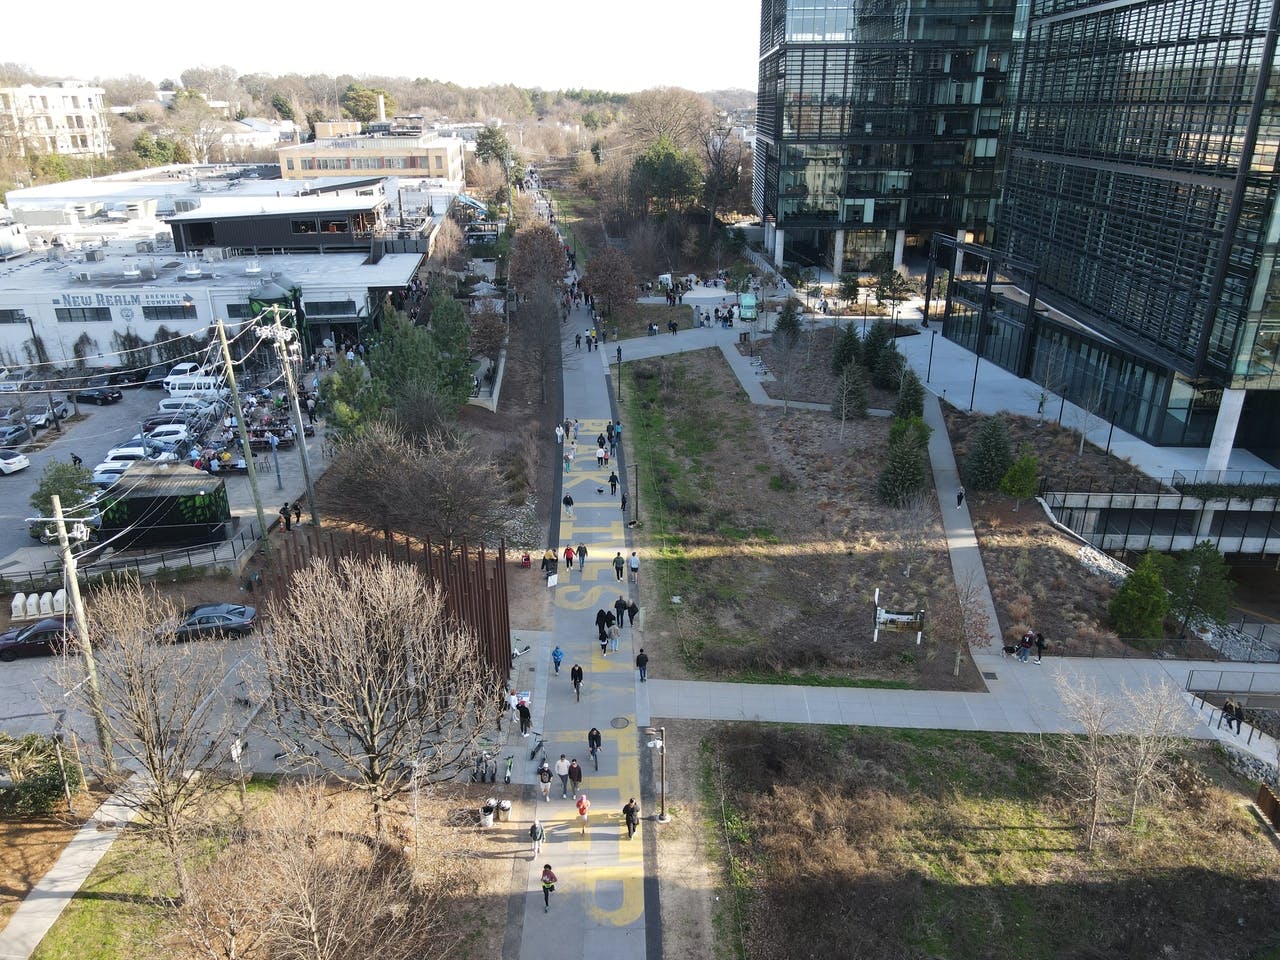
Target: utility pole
281,336
244,438
82,634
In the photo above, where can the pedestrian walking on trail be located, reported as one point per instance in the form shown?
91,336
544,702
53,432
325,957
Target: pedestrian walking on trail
544,779
634,564
960,498
575,776
562,771
1040,645
582,556
568,505
642,664
575,676
618,563
583,806
537,834
557,658
526,718
620,608
633,611
548,886
613,484
631,814
568,558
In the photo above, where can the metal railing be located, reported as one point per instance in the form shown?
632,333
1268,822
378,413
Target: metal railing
1188,648
147,564
1217,715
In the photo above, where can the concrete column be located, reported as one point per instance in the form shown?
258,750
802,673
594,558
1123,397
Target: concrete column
960,235
837,261
899,245
1224,430
779,238
768,237
1204,524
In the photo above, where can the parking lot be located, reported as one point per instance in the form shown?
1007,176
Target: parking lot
97,430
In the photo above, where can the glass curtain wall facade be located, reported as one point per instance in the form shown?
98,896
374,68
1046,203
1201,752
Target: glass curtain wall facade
881,118
1141,181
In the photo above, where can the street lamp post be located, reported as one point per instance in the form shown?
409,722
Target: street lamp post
929,371
658,741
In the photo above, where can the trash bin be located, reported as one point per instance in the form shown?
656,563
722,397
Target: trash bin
486,816
744,337
504,811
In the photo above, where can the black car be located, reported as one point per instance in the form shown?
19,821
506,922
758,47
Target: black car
165,420
99,395
214,620
153,379
38,639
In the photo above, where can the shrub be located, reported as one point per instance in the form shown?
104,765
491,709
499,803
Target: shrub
990,457
31,762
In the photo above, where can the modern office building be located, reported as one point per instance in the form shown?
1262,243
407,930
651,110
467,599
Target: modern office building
65,117
1140,197
390,156
878,124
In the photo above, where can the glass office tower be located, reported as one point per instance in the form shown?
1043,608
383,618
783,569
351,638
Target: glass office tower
878,123
1142,183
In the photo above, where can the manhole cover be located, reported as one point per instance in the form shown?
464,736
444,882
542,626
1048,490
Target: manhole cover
989,676
619,723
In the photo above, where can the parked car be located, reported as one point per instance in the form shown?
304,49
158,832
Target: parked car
108,472
11,461
153,379
13,433
132,452
212,620
16,380
99,395
38,639
45,416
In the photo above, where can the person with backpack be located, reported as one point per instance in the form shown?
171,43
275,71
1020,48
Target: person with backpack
544,779
526,718
557,658
537,834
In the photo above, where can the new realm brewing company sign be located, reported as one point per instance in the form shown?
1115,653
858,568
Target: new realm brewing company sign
159,298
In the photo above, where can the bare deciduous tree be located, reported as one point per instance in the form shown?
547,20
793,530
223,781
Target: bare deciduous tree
449,252
162,704
371,679
1156,723
917,522
610,280
539,322
962,622
1087,763
296,882
537,254
679,115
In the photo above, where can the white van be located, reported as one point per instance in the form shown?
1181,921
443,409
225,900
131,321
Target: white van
188,405
214,388
182,371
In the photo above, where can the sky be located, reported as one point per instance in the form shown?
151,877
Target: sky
602,44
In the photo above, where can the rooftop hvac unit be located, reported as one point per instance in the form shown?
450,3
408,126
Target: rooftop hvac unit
145,246
253,268
94,256
83,276
214,253
131,271
193,271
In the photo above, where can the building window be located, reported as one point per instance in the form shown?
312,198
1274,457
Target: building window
334,226
439,162
331,308
183,311
12,316
288,163
83,314
303,226
308,163
239,311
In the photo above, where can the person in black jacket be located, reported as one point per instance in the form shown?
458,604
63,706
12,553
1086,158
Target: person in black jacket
602,622
575,675
594,743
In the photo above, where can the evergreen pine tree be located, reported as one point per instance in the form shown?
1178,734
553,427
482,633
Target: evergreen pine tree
787,329
1139,606
851,394
905,471
887,373
910,395
989,456
879,337
1020,480
848,349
